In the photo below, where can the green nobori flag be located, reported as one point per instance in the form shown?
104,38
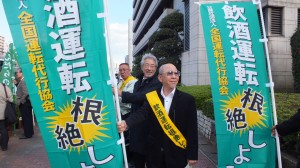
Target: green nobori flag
7,72
61,47
242,104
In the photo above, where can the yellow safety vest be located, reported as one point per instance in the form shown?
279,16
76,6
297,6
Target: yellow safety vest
126,81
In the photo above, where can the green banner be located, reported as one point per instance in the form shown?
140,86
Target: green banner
242,104
61,47
7,71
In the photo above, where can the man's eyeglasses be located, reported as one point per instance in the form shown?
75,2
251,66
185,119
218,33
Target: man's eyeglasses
171,73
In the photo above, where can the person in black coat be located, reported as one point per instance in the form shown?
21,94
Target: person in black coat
148,82
287,127
162,152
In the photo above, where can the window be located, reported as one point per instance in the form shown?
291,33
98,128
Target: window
272,20
276,21
298,17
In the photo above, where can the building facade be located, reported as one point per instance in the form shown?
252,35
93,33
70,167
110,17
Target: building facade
281,20
282,17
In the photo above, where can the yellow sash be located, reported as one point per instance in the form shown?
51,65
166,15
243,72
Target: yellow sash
126,81
164,120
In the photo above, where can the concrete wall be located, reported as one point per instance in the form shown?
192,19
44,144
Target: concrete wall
178,5
279,46
194,62
206,126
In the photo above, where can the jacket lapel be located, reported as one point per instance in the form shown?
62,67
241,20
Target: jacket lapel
173,104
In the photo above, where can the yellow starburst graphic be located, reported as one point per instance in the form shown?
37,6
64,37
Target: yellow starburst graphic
89,132
240,119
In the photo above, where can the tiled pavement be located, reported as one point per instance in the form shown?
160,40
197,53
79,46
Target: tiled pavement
30,153
25,153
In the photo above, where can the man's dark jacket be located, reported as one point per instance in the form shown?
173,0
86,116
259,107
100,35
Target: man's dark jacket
183,113
289,126
137,98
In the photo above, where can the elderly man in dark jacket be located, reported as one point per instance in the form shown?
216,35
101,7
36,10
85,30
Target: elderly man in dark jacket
148,82
173,140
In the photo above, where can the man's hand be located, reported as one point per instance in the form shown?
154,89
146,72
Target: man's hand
274,130
113,90
120,93
192,162
122,126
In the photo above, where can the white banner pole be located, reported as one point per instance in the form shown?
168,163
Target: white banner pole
113,80
271,84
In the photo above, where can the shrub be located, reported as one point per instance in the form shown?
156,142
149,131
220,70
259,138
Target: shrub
295,49
208,108
200,93
286,106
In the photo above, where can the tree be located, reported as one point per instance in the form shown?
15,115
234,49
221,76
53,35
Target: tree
173,21
295,48
166,43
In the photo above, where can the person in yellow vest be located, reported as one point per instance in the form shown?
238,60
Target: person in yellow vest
173,138
126,84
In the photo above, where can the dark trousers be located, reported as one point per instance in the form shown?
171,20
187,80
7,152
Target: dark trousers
26,113
158,158
4,134
139,160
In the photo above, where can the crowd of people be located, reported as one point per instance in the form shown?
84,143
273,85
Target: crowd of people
159,121
166,138
154,112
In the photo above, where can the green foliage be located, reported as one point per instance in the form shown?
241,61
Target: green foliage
208,108
160,35
166,43
295,48
173,21
18,113
168,48
200,93
286,106
203,97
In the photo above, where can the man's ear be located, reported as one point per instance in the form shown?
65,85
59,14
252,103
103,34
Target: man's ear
160,77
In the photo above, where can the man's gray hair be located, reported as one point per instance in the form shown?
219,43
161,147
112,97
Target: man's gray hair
149,56
161,69
19,69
